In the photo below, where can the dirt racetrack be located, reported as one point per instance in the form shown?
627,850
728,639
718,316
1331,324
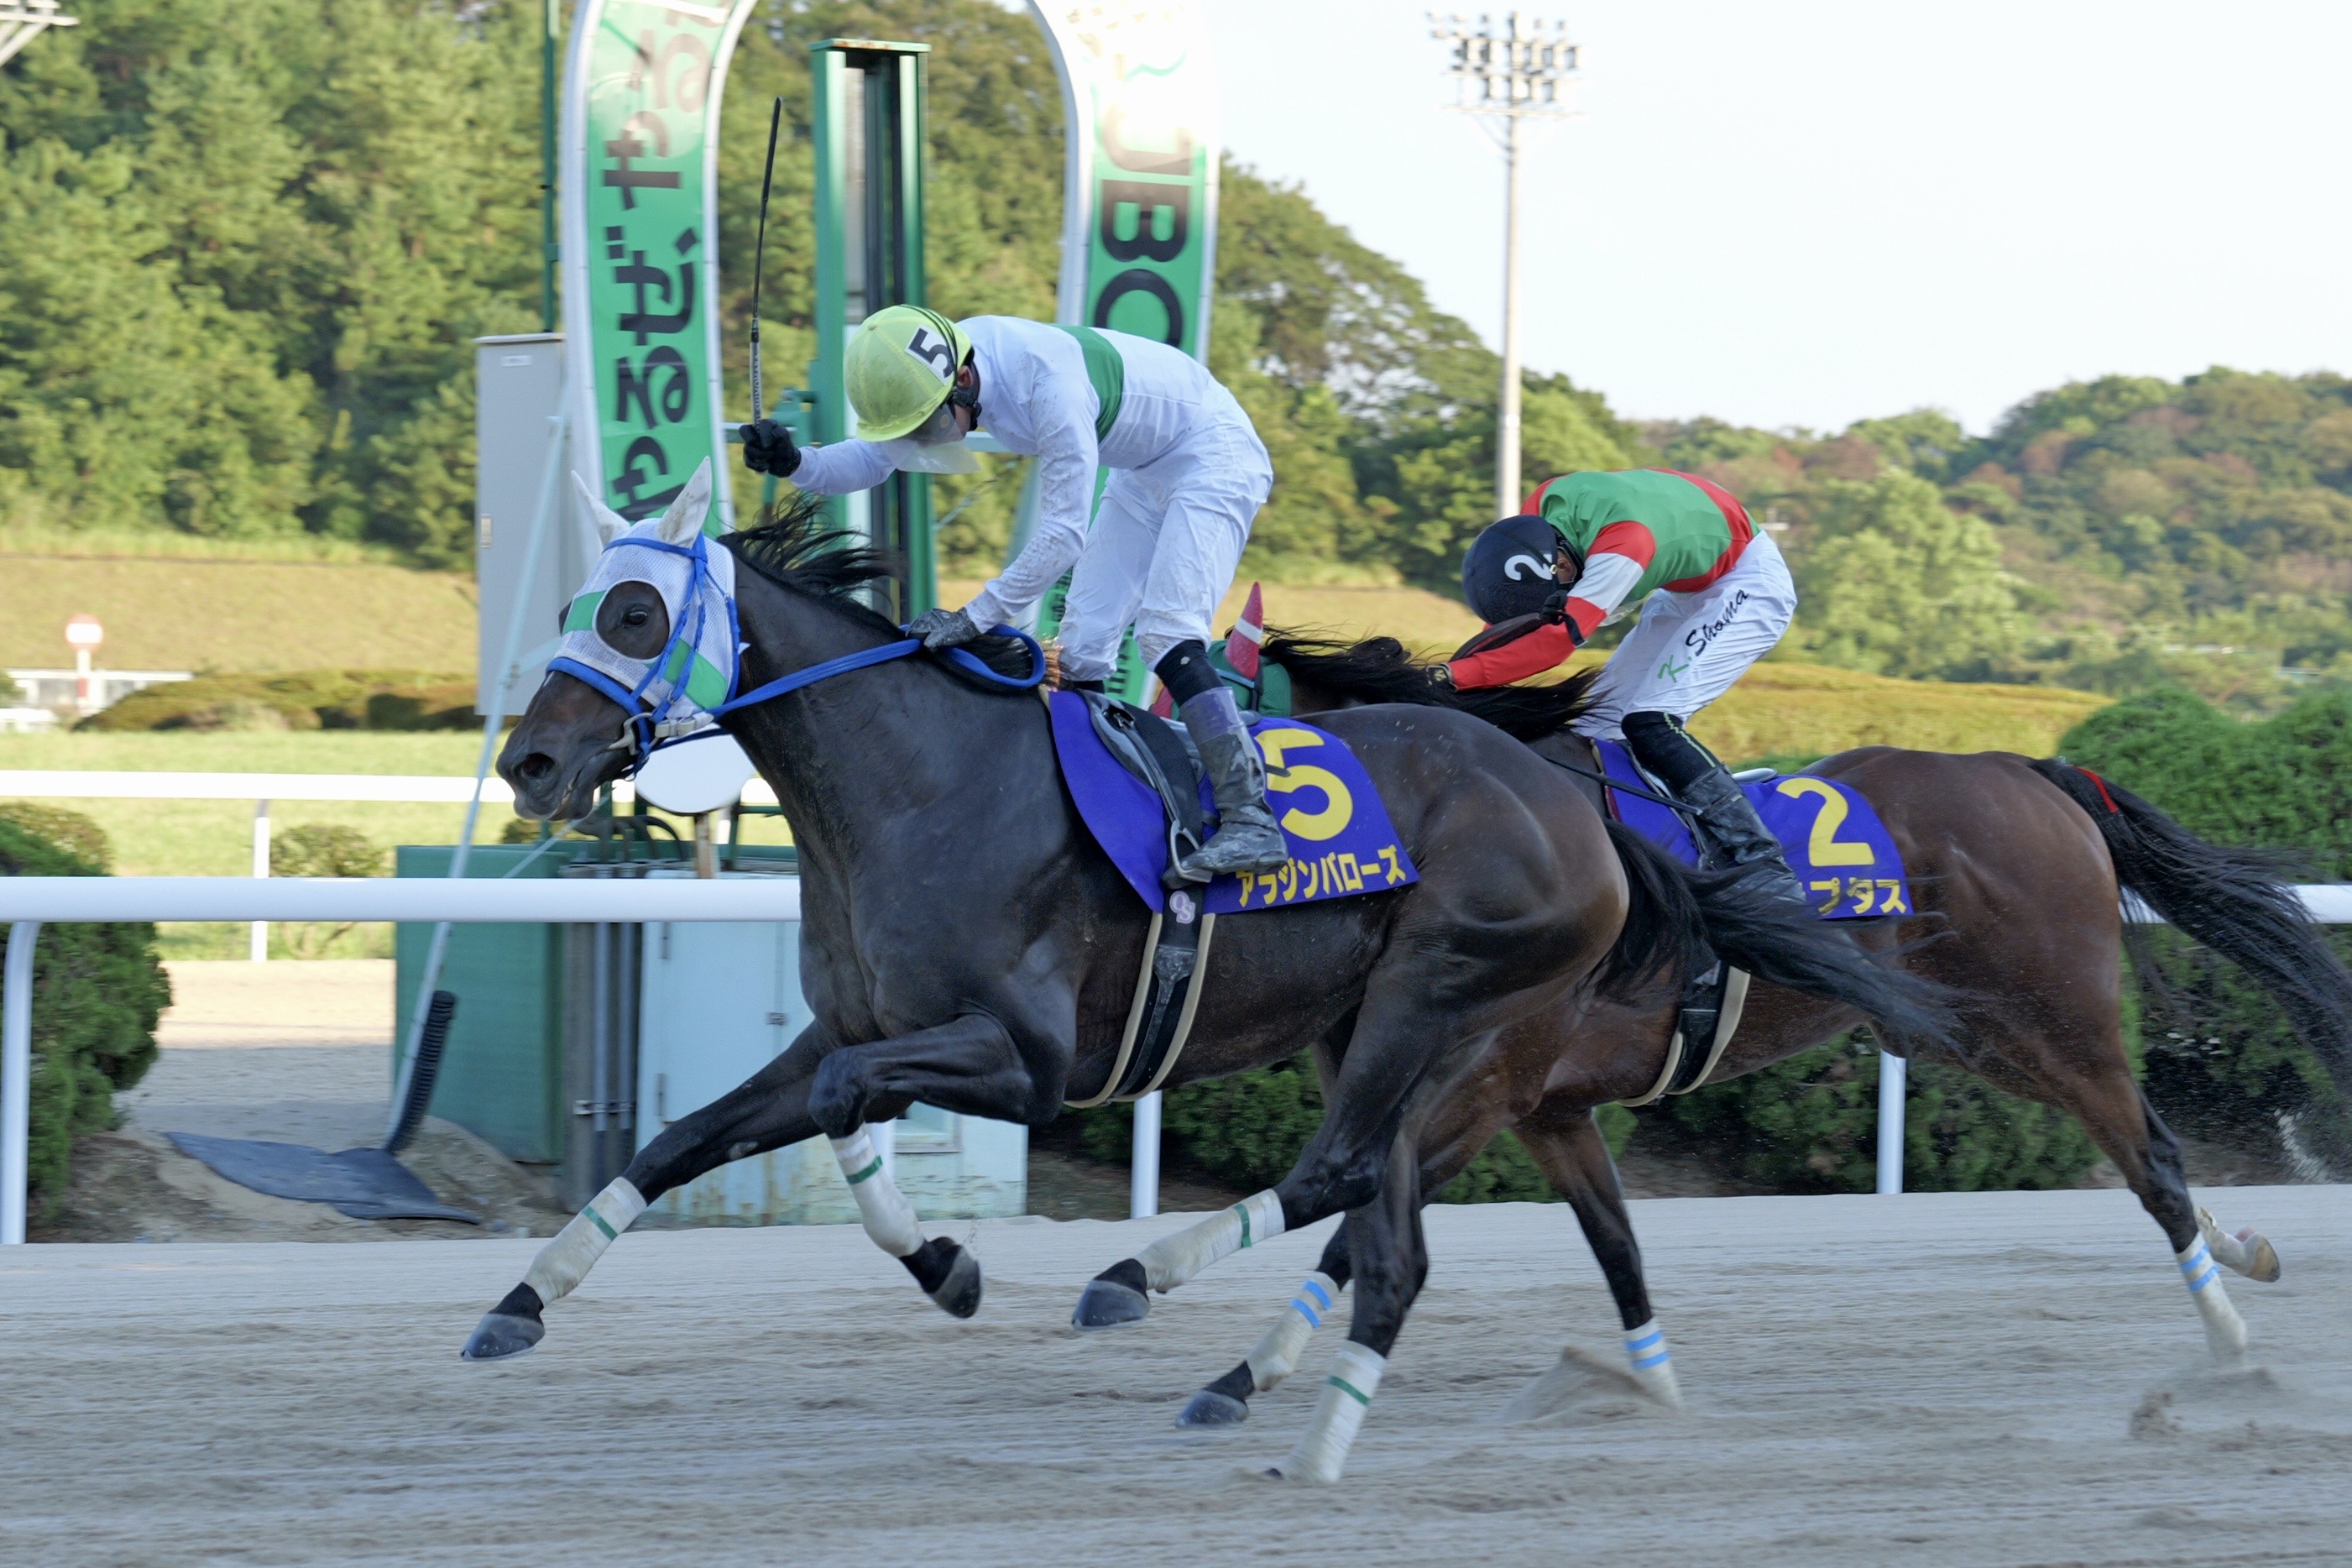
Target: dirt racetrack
1993,1378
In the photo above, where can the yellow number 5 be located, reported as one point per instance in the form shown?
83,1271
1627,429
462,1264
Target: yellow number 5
1339,806
1824,845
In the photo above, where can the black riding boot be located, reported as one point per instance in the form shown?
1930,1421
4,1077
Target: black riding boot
1247,839
1729,831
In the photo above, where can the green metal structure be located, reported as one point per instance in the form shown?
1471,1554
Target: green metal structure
867,123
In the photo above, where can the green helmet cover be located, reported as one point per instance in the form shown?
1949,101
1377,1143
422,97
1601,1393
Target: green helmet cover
901,365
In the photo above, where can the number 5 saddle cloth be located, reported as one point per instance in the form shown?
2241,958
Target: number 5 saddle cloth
1342,842
1841,853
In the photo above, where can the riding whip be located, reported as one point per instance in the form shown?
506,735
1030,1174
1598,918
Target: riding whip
760,253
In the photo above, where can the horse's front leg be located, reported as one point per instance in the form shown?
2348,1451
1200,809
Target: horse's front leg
767,1112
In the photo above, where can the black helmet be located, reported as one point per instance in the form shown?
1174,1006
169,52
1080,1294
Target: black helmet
1509,572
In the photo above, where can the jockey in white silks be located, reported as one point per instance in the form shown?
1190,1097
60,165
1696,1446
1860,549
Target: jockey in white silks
1188,475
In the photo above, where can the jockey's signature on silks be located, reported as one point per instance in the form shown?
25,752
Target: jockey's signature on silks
1699,636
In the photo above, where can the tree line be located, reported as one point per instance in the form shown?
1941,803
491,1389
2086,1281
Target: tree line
244,246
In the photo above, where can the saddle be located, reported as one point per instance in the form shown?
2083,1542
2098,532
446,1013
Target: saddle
1175,951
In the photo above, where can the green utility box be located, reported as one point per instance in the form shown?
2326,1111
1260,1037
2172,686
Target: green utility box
502,1075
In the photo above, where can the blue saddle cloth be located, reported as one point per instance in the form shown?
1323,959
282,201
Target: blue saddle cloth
1844,856
1342,842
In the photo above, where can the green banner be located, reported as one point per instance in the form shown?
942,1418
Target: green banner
639,189
1139,199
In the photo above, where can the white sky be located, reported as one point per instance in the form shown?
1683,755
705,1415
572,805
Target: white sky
1808,213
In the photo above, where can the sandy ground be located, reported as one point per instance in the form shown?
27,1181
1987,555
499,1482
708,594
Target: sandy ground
1977,1379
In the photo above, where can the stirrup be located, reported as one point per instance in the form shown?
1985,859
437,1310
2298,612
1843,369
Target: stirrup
1202,864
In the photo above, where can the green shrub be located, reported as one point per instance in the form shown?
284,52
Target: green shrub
1810,1124
2220,1060
97,990
324,849
312,700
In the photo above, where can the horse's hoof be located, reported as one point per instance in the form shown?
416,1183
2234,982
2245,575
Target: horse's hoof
959,1294
1108,1304
499,1337
1210,1408
2262,1257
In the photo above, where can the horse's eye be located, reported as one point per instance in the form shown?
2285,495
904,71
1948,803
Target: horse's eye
638,616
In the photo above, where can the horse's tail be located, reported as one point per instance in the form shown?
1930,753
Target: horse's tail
2236,901
1676,912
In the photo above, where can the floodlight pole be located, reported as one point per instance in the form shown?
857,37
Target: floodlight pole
21,20
1519,71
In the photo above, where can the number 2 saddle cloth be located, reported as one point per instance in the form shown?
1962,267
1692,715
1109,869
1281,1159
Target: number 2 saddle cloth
1844,856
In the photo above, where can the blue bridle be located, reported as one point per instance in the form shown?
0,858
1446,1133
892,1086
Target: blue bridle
678,717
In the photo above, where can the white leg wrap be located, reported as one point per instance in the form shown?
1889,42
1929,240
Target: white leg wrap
2225,1332
1322,1453
1172,1259
562,1263
1652,1364
1276,1356
889,1217
2244,1252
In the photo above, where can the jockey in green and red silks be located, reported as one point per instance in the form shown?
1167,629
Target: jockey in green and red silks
1712,592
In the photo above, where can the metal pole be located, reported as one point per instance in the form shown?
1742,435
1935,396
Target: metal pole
16,1078
1893,1072
548,250
257,947
1506,424
1143,1170
439,952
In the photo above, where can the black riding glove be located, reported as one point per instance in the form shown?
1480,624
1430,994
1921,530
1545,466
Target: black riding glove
942,629
768,449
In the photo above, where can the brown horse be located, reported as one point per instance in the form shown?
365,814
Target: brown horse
2018,869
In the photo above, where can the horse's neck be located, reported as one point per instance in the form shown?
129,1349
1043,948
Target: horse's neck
853,756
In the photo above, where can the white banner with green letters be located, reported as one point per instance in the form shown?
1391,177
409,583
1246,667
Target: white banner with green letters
1139,200
638,185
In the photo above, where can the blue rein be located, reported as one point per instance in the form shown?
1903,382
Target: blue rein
970,663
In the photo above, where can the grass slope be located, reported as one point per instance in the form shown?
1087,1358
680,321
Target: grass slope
249,617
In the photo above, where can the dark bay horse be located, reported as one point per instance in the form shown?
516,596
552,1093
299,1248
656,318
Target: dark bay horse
966,943
2017,866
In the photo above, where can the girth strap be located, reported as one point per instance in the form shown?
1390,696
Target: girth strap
1167,995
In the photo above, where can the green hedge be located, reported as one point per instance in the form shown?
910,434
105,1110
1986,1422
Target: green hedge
308,700
2221,1062
1810,1124
97,992
1246,1131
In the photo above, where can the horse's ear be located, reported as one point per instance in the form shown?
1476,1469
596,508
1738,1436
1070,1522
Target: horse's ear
610,524
684,519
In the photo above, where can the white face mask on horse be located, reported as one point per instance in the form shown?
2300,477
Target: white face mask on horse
674,694
678,694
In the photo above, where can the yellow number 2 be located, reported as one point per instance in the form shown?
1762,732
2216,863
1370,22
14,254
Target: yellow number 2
1823,846
1338,806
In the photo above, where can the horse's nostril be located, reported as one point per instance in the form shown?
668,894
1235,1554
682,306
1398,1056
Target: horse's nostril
536,766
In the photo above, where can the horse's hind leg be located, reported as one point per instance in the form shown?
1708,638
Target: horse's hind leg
1566,1145
1225,1403
2103,1097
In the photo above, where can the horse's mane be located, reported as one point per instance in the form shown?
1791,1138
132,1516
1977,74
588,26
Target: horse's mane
1379,669
791,547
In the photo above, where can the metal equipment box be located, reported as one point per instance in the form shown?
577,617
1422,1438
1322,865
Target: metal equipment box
502,1071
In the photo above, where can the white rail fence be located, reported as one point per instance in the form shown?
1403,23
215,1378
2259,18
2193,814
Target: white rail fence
29,902
406,789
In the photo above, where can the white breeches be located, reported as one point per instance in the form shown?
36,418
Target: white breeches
1165,543
1688,648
